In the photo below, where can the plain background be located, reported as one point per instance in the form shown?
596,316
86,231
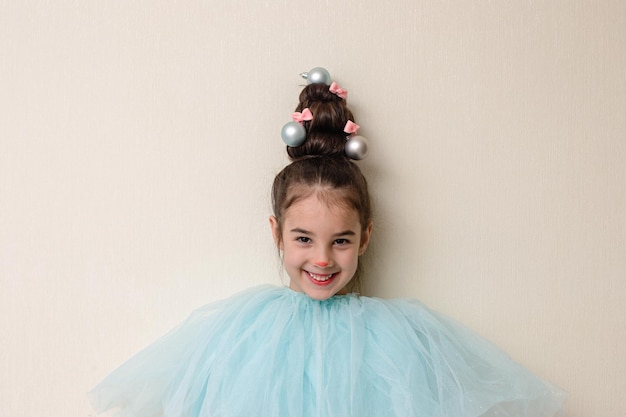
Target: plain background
139,140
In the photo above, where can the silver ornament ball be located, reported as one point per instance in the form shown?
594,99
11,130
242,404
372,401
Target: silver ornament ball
293,134
356,147
318,75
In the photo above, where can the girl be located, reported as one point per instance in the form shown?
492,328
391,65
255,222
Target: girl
317,348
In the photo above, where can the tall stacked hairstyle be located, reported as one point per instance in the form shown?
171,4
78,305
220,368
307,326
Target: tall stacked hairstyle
320,166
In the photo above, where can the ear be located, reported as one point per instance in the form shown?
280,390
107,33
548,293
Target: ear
365,238
278,240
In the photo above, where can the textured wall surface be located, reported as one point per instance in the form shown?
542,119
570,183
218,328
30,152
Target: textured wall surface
138,141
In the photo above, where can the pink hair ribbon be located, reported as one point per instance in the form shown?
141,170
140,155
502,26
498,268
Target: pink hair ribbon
334,88
306,115
351,128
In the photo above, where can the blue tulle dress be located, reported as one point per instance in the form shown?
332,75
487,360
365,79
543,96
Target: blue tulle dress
271,351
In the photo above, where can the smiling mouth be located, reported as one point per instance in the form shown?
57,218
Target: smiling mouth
321,279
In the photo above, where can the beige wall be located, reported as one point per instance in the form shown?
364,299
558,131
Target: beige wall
138,141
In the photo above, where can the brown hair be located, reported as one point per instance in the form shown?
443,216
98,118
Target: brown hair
320,165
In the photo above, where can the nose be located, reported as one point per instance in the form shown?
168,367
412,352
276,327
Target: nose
322,258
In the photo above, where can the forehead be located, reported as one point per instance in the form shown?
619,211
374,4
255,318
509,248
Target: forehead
317,210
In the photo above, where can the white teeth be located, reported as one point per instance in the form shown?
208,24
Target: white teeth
320,278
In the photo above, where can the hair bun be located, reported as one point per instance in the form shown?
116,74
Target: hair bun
325,134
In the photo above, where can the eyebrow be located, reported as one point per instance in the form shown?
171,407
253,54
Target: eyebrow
306,232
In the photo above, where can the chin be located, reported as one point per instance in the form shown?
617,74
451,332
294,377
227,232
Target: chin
319,295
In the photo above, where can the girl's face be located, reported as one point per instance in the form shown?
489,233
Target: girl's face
321,244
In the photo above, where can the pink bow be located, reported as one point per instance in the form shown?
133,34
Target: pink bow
306,115
351,128
334,88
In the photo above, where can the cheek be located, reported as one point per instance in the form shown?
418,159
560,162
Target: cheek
350,257
291,254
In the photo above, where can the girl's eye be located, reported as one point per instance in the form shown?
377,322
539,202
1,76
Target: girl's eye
341,241
303,239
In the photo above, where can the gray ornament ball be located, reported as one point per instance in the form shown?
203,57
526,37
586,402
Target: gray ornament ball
318,75
356,147
293,134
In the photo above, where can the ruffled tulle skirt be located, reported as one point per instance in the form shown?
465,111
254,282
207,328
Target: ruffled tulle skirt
275,352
